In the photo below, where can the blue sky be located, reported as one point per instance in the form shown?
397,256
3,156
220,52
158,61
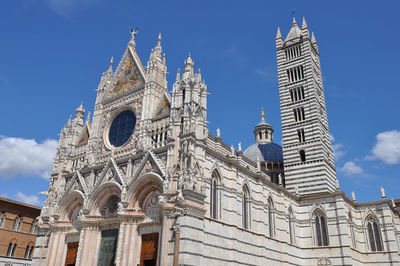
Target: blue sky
53,53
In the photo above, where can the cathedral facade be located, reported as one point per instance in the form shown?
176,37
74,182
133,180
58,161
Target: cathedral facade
143,182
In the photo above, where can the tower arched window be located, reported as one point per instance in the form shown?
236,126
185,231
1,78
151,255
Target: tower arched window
321,229
214,197
292,236
271,218
302,155
246,207
374,235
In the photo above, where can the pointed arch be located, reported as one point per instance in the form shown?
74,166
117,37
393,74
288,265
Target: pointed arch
101,195
71,205
246,207
11,247
373,233
351,225
143,186
320,228
29,250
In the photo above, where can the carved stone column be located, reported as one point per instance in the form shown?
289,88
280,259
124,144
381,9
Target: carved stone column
177,231
120,246
166,224
80,246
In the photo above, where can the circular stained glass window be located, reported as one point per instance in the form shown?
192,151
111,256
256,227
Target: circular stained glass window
122,128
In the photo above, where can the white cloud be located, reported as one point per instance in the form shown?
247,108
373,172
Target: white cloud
337,149
350,168
26,157
266,73
67,7
30,199
387,147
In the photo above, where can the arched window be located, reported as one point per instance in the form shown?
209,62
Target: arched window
292,236
321,231
271,220
33,227
246,207
214,201
2,218
353,239
374,235
29,251
11,248
17,223
302,155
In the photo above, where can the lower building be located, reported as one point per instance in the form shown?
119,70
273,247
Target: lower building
18,230
143,181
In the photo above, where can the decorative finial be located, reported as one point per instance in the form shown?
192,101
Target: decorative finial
232,150
111,61
240,146
133,34
393,203
293,11
353,196
383,193
159,39
218,133
262,113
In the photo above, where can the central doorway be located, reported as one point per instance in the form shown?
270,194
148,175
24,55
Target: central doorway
148,253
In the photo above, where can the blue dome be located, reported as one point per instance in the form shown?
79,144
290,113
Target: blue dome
267,151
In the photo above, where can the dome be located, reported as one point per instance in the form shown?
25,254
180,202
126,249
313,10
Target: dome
269,151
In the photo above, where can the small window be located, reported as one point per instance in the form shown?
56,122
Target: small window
302,155
214,200
271,220
28,251
246,207
3,217
292,237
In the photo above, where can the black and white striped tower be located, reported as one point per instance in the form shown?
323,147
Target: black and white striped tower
307,151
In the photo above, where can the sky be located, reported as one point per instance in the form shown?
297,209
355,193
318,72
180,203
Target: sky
53,52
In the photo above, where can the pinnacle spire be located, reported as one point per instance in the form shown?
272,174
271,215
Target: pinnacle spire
313,40
294,21
304,24
278,34
80,108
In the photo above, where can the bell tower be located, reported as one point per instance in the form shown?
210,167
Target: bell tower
307,152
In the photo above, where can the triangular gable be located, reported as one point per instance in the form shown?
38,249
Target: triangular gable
111,172
83,139
75,183
149,163
130,74
163,108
